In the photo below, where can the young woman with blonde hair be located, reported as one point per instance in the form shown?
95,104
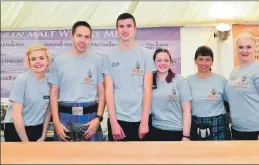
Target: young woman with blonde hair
243,91
28,114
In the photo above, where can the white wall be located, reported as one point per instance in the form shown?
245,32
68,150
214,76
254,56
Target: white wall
193,37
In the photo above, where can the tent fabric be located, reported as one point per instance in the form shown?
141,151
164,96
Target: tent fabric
22,15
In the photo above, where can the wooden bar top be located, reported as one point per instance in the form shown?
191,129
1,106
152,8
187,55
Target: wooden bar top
213,152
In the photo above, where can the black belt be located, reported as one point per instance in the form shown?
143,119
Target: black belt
90,109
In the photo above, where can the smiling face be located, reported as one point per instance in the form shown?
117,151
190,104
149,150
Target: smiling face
162,62
246,48
38,61
204,59
81,39
204,63
126,29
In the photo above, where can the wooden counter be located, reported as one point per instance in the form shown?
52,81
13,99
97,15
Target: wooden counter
234,152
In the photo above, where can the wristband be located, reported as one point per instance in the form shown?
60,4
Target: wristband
188,137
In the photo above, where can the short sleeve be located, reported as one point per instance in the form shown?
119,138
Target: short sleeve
18,89
225,97
256,81
149,62
53,76
99,70
184,90
188,79
106,65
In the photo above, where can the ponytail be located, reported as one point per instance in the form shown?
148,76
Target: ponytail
170,76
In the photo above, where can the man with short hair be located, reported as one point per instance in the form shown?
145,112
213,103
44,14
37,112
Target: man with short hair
77,90
128,84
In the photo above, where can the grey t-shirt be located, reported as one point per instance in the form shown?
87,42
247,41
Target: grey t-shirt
127,68
77,76
243,95
208,95
33,94
166,106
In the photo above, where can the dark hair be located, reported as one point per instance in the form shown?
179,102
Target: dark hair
81,23
125,16
204,51
171,74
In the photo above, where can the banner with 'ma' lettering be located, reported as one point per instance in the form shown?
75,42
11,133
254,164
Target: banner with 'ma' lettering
15,43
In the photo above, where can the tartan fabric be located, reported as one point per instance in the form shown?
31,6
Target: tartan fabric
73,123
219,127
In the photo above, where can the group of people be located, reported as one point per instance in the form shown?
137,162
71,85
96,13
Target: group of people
145,99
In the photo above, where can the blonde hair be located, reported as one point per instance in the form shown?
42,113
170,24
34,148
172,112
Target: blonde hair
35,48
245,35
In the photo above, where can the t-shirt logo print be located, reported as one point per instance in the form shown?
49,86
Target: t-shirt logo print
242,83
244,78
174,91
172,97
213,91
136,70
88,79
137,65
212,96
233,78
89,73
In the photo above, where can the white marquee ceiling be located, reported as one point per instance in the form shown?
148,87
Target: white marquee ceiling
103,14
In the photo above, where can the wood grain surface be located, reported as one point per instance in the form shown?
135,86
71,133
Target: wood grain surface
213,152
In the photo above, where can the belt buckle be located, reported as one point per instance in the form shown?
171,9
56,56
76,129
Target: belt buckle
77,110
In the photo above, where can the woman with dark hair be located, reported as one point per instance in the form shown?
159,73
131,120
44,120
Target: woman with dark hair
209,117
171,102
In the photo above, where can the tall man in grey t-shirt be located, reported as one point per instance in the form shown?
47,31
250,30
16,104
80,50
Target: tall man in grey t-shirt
77,90
128,84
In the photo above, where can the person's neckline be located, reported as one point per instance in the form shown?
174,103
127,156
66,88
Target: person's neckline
134,46
81,56
247,66
40,81
161,81
206,78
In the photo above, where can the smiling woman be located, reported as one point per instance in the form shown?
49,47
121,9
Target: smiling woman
37,52
242,90
246,47
171,102
209,117
28,115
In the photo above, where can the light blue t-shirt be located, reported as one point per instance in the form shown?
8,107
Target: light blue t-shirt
243,95
166,106
127,68
33,94
208,95
77,76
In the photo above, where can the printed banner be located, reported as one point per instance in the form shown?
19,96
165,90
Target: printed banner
236,30
15,43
